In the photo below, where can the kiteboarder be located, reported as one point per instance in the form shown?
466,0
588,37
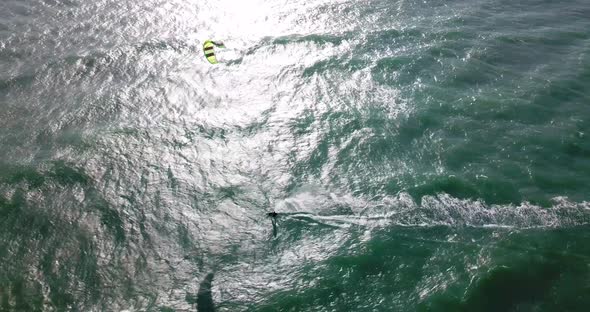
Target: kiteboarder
273,215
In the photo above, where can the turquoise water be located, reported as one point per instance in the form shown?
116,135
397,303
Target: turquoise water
421,155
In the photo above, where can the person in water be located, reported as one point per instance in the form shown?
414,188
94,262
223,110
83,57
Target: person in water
274,216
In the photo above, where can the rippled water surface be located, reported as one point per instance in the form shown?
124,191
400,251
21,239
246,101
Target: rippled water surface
421,155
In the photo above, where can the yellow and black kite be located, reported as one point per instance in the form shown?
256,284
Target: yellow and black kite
208,49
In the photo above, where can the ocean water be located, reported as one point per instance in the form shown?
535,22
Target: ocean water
421,155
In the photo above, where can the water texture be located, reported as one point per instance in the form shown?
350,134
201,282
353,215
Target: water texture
421,155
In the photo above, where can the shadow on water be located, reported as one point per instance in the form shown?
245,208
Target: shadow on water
204,296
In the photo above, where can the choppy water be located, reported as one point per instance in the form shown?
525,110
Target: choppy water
423,155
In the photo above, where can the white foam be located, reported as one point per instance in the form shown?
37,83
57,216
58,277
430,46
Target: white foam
432,210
